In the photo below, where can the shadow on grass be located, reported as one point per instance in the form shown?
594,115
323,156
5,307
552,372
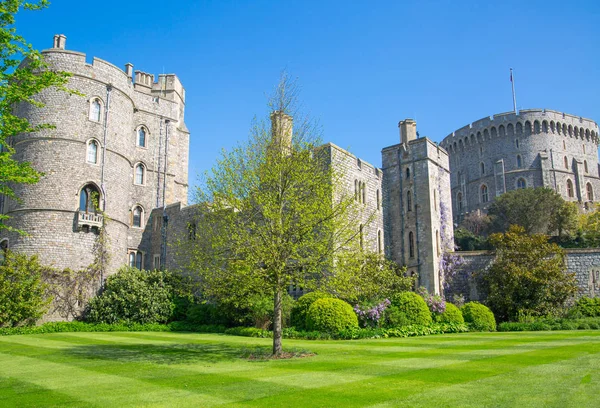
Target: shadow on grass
158,354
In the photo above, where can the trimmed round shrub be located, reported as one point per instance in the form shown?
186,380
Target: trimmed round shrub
300,309
330,315
478,316
407,308
451,315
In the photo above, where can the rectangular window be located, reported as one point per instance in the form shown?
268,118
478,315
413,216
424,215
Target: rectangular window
156,262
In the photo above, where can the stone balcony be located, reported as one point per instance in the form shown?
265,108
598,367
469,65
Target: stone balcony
89,219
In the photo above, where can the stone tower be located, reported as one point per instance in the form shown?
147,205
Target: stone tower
117,150
416,204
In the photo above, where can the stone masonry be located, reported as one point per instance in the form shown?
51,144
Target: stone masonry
94,144
416,194
534,148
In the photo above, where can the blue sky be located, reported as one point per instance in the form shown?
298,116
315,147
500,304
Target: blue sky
362,65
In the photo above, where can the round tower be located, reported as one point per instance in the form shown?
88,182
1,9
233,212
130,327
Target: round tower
534,148
116,145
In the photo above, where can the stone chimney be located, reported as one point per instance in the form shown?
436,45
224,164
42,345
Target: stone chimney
281,127
129,70
408,130
60,41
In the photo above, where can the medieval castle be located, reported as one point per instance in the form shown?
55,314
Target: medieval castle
122,146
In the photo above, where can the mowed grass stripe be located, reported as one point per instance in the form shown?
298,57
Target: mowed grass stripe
93,387
168,369
571,383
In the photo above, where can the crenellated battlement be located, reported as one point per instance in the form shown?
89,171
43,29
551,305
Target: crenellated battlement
168,86
526,122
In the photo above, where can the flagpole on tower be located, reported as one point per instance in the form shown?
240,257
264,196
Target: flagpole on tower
512,81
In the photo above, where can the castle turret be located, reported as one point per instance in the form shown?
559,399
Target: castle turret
418,222
408,130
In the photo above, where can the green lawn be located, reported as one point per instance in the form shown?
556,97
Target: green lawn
541,369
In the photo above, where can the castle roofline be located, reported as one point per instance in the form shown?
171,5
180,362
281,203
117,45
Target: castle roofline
524,114
346,152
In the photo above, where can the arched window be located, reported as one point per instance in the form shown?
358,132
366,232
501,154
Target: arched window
89,198
484,193
482,168
135,259
566,161
408,201
558,128
408,170
3,250
137,216
585,166
360,234
140,174
411,245
459,201
590,192
92,152
570,189
364,193
501,131
519,161
379,242
519,128
141,137
521,183
545,126
95,110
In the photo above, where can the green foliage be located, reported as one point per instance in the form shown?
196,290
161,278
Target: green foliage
75,326
451,315
330,315
467,241
206,313
527,276
300,309
249,332
260,310
363,276
19,84
407,308
134,296
478,316
23,294
269,212
587,307
538,210
551,323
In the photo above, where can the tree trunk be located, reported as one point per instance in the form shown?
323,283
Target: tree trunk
277,348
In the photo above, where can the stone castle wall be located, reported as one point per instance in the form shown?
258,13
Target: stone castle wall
584,263
48,210
534,148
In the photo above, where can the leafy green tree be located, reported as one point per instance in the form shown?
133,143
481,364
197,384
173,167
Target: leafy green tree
19,84
538,210
528,276
23,293
365,276
272,214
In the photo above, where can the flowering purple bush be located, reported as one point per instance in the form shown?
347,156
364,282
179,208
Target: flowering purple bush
436,303
369,316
